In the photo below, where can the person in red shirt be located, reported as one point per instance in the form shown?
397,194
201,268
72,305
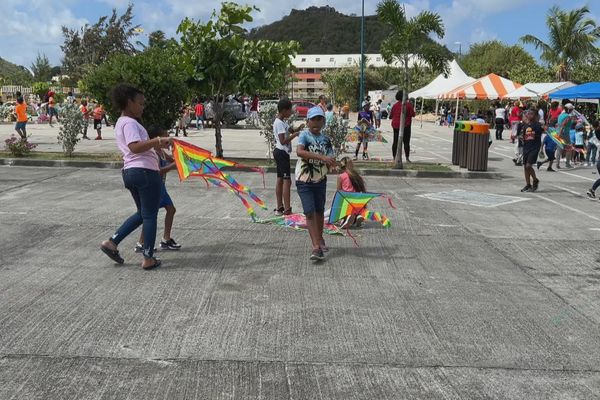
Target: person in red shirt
199,111
254,111
406,132
555,111
514,119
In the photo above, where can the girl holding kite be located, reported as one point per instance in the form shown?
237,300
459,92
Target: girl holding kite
140,173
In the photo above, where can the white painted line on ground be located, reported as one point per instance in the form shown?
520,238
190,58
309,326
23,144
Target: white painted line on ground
577,176
594,229
566,207
13,212
568,190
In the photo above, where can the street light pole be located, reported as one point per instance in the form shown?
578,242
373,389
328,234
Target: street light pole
362,56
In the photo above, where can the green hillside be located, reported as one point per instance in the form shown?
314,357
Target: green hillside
323,30
12,74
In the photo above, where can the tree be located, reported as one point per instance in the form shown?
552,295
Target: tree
92,45
530,73
587,71
410,39
343,83
42,71
221,61
495,57
40,88
72,125
572,39
156,72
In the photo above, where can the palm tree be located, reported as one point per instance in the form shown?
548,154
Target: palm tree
409,41
571,39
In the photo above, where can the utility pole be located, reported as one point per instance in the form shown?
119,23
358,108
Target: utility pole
362,56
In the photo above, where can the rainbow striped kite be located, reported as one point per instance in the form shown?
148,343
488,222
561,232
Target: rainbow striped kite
355,203
555,136
195,161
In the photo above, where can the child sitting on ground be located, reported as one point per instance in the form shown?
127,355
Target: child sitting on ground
166,164
349,180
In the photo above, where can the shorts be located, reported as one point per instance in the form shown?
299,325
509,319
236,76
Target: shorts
97,124
550,155
21,125
52,111
530,156
165,199
378,116
282,159
312,196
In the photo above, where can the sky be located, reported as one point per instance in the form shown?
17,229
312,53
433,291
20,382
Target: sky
32,26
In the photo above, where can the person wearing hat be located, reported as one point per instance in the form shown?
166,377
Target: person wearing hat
315,154
565,123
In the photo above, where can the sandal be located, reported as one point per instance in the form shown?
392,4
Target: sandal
287,211
112,254
156,264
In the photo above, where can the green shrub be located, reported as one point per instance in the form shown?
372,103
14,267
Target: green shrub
156,72
72,126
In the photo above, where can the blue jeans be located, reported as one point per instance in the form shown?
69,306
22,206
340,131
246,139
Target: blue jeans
591,153
145,187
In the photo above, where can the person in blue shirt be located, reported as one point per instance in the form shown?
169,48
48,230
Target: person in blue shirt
315,154
550,150
565,123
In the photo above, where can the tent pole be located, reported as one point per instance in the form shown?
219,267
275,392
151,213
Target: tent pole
437,103
422,104
456,115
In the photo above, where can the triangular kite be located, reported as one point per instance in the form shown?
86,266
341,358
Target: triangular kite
195,161
347,204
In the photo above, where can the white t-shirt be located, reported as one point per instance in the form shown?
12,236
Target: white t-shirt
500,113
541,115
281,127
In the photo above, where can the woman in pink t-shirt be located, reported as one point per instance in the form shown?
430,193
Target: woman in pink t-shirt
349,180
140,173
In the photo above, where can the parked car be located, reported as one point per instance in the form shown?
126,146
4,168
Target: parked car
232,112
301,107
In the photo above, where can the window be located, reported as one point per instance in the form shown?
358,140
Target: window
310,80
317,59
331,59
378,59
303,60
310,70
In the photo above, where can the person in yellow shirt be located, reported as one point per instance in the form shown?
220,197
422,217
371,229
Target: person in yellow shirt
21,111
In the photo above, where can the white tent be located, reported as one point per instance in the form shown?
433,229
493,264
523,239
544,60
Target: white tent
442,84
537,90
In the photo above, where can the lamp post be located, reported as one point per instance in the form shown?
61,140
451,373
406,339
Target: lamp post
362,56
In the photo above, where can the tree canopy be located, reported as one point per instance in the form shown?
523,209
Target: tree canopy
92,45
42,71
495,57
220,59
571,40
154,71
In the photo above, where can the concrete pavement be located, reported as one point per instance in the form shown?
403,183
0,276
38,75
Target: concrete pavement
454,301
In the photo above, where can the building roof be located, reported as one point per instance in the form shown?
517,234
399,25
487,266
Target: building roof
336,60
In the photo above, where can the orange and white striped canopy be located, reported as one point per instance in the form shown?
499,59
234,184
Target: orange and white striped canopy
489,87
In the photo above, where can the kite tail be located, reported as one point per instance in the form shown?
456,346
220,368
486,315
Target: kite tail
389,199
257,200
352,237
249,208
377,217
